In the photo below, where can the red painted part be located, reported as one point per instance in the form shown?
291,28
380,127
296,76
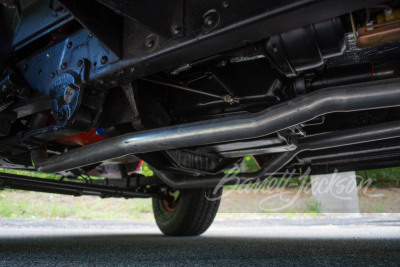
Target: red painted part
169,208
82,139
62,29
139,166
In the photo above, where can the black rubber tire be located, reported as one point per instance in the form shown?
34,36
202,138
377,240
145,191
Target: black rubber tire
192,215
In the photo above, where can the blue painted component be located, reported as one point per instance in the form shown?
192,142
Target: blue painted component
101,132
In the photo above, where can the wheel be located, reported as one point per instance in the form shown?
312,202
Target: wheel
190,214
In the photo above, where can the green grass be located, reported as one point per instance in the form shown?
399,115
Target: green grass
145,171
388,177
18,204
31,174
314,207
15,204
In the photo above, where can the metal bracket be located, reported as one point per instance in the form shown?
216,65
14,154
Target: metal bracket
130,95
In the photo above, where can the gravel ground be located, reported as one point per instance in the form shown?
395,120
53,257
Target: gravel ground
355,241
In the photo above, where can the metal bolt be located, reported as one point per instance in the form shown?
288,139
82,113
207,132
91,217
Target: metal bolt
150,44
225,4
209,21
104,60
80,62
55,113
52,75
25,67
64,65
69,45
177,31
90,35
47,55
4,88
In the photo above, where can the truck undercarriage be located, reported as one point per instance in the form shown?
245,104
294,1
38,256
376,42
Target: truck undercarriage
94,88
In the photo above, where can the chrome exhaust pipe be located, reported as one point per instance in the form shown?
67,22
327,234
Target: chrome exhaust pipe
363,96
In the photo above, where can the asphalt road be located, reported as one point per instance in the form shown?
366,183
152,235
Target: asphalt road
363,241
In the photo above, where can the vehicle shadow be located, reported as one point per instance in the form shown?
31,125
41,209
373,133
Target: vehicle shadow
284,246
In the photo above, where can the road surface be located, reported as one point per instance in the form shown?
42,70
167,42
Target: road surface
276,242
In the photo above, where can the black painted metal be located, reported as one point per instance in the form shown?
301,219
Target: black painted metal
200,163
232,30
5,123
102,22
70,188
348,74
340,75
306,48
342,138
11,86
366,156
253,83
162,17
209,28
